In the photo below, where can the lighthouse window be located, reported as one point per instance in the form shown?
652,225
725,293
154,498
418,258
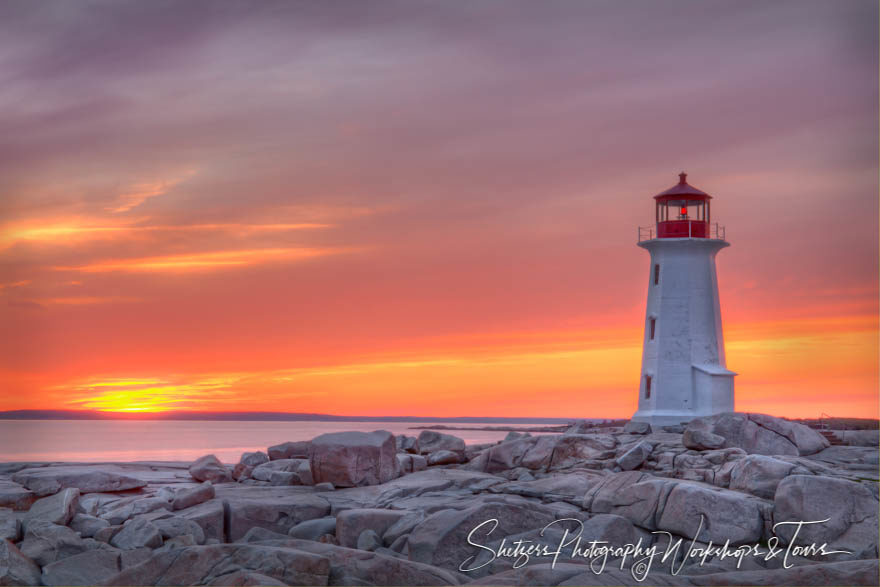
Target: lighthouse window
656,274
653,325
647,386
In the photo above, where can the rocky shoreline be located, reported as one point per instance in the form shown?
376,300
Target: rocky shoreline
356,508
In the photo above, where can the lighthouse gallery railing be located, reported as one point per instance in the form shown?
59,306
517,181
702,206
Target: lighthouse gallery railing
716,231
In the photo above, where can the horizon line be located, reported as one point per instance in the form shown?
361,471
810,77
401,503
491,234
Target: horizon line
261,415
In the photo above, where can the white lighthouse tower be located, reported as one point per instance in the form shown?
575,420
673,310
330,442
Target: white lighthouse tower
684,372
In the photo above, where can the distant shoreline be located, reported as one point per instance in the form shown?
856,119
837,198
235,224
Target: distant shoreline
270,417
591,422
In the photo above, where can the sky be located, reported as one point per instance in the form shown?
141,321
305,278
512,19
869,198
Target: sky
427,208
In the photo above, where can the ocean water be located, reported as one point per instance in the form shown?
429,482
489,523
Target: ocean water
181,440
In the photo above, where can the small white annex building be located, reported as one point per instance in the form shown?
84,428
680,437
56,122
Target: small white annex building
684,372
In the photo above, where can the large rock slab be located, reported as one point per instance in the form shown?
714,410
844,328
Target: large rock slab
439,486
444,457
276,510
634,457
257,534
96,504
201,565
431,441
14,496
840,573
633,427
87,525
760,475
87,568
615,530
724,515
407,444
210,516
358,567
264,472
562,573
562,486
15,567
85,478
698,439
209,468
252,459
680,507
411,463
137,533
351,523
10,525
574,449
245,577
353,459
539,455
56,509
314,529
760,434
508,455
45,543
289,450
849,509
175,526
442,538
188,497
548,452
859,572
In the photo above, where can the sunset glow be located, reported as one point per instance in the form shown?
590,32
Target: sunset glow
428,210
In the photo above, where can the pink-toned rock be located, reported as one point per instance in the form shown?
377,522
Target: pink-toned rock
187,498
289,450
15,496
85,478
351,523
56,509
353,459
757,434
203,565
16,568
209,468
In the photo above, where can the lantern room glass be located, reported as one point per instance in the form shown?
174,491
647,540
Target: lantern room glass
683,218
683,210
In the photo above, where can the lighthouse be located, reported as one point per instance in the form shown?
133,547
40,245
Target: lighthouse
684,372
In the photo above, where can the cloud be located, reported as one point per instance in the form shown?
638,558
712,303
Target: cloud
141,192
208,261
20,283
84,300
77,230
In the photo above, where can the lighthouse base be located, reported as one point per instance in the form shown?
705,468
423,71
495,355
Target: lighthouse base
665,418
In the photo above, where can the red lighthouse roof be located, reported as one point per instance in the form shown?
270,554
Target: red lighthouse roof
682,191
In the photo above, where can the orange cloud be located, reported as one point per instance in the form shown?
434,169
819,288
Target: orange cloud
20,283
141,192
79,229
84,300
208,261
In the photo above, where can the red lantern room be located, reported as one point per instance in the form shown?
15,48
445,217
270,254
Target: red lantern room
683,211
